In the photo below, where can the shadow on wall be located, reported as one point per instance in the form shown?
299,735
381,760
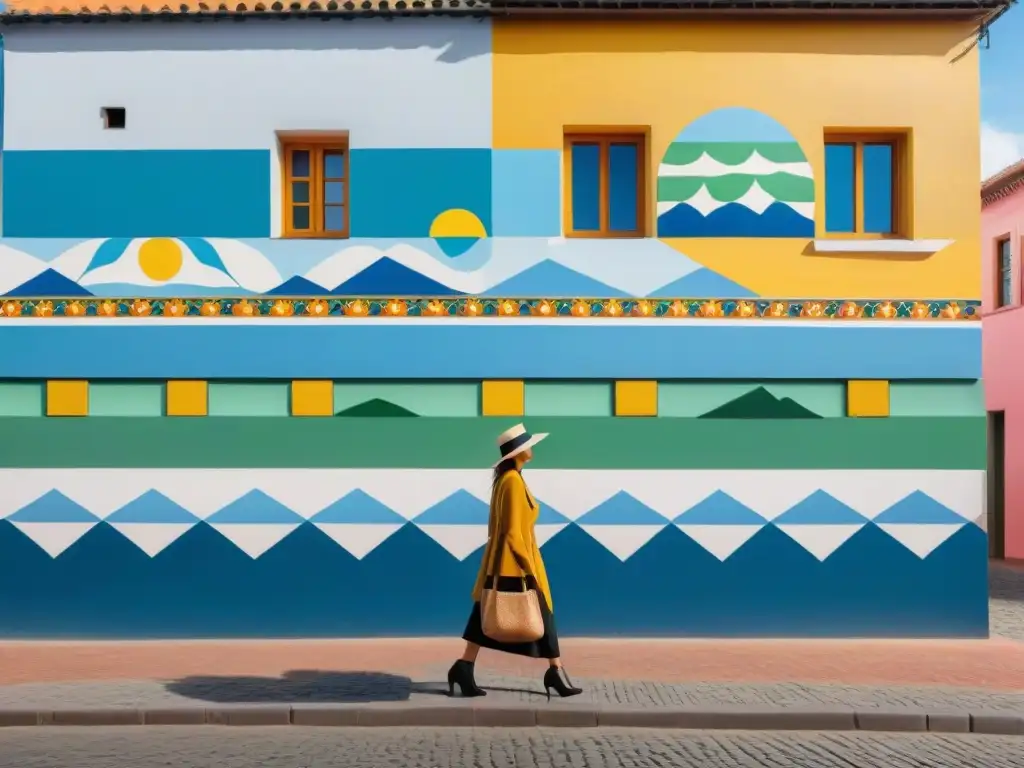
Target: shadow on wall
311,687
456,40
887,38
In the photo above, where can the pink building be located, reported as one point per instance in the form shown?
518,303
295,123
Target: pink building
1002,239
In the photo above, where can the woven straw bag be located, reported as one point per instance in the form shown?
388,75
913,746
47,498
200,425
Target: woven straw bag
509,617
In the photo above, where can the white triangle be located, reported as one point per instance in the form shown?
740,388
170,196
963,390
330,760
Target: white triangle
870,492
460,540
544,532
573,493
920,538
308,491
623,541
359,539
821,540
151,538
103,491
205,491
254,538
669,492
982,522
54,538
961,490
770,492
411,491
20,487
720,540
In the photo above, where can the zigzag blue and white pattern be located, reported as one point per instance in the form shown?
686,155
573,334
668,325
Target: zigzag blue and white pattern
621,509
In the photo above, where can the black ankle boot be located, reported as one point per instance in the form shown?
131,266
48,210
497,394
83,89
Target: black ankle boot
564,688
461,674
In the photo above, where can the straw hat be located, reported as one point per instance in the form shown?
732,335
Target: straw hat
514,441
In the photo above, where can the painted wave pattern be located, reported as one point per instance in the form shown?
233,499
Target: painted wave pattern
359,521
708,189
228,268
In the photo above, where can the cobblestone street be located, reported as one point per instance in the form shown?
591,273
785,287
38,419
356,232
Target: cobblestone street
491,748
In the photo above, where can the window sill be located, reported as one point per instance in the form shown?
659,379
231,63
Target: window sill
880,245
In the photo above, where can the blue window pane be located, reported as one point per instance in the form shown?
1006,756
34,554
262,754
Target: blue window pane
840,210
334,218
334,192
334,165
622,181
586,187
300,163
878,183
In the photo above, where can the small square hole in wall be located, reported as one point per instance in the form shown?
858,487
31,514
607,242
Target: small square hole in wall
113,117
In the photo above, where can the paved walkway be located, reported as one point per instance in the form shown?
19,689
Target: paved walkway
978,676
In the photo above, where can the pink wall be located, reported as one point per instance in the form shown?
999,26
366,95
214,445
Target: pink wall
1003,353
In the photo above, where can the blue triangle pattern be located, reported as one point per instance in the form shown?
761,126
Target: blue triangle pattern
357,507
53,507
152,507
720,509
461,508
920,508
820,508
549,516
255,507
622,509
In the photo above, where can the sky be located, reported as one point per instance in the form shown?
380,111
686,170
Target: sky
1002,108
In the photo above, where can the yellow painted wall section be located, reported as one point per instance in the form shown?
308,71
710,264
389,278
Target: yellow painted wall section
808,75
312,398
636,398
187,398
67,398
867,398
503,398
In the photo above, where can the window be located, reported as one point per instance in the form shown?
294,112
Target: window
114,117
862,185
315,182
605,187
1004,273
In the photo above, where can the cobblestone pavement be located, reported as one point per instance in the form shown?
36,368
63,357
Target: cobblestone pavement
1006,603
491,748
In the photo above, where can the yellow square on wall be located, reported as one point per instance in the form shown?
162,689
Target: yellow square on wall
187,398
312,398
867,398
503,398
636,398
67,398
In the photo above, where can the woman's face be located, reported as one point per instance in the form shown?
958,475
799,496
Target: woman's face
526,455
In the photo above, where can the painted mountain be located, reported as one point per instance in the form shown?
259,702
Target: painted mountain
735,173
760,404
549,278
703,284
49,283
375,409
386,277
298,286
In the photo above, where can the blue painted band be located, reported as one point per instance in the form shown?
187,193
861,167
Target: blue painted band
460,349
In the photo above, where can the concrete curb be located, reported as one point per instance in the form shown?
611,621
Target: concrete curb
497,716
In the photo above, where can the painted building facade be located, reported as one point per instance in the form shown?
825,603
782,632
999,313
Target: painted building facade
1002,233
272,290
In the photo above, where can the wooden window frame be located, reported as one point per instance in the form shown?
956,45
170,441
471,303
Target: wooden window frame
900,188
317,144
604,139
999,303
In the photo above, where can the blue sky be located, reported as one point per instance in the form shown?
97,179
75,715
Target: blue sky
1002,107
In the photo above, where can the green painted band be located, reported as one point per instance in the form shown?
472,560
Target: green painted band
458,443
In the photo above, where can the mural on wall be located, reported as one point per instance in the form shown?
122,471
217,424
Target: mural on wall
735,172
837,540
457,260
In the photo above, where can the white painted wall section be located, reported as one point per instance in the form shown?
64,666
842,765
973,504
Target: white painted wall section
419,82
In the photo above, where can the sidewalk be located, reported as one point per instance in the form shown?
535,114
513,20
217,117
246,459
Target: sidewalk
842,684
749,684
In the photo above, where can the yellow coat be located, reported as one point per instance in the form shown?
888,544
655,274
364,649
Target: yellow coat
514,512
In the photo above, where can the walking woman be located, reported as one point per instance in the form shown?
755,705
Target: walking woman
512,563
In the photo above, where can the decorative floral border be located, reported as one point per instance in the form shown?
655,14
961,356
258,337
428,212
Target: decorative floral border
812,309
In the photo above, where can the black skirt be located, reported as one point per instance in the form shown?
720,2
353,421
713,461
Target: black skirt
545,648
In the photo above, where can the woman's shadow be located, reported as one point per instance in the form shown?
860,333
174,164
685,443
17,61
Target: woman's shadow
310,686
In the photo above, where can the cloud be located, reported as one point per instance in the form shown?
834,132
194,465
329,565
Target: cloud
999,149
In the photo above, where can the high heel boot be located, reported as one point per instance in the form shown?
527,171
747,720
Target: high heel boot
461,674
564,688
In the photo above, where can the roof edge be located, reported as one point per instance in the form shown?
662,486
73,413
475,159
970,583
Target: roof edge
1002,184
